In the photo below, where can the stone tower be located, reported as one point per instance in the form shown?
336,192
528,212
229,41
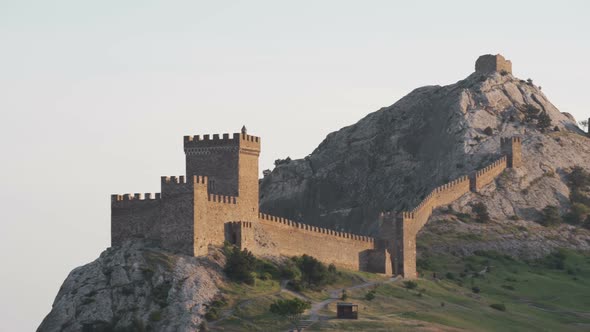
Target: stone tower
512,147
230,163
489,63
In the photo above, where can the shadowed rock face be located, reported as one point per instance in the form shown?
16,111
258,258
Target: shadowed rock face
392,158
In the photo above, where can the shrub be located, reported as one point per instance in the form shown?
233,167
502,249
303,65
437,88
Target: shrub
464,217
240,266
370,296
344,295
450,276
475,289
555,260
488,131
531,113
544,121
498,306
289,270
481,212
409,284
578,214
291,309
314,272
155,316
295,285
550,216
508,287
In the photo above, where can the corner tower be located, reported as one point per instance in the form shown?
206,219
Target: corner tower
230,162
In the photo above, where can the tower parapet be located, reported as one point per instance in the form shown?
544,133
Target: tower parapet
230,161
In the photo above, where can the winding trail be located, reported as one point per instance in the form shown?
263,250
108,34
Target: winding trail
335,296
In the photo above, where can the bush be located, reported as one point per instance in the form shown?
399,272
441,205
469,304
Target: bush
488,131
450,276
531,113
544,121
291,309
578,214
481,212
508,287
409,284
555,260
475,289
498,306
550,216
370,296
314,272
289,270
155,316
344,295
241,265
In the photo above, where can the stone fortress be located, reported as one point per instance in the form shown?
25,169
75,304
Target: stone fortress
218,201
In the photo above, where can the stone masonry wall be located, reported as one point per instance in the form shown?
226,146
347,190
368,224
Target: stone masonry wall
132,215
293,239
486,175
175,227
407,225
215,158
493,63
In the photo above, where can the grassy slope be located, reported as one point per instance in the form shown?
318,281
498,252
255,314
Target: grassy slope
537,298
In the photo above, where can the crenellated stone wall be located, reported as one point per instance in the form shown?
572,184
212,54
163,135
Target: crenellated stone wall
218,201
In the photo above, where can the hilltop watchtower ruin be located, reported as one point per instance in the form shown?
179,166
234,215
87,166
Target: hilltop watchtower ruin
489,63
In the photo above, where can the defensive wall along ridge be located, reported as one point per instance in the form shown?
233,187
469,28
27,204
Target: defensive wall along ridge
217,201
408,223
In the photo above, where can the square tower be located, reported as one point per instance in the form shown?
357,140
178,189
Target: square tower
230,163
492,63
512,147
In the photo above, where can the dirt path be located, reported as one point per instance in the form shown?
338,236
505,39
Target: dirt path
336,293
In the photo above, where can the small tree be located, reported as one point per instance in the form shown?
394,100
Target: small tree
481,212
583,124
240,265
544,121
551,216
531,113
292,310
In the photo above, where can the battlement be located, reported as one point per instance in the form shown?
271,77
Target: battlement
500,163
222,199
240,224
493,63
511,140
193,143
135,197
310,228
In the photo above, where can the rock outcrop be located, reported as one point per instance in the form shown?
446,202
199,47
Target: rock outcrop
136,287
392,158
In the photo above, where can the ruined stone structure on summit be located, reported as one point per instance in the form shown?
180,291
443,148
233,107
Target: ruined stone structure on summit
493,63
217,201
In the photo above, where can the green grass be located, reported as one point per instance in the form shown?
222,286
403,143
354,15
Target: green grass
536,295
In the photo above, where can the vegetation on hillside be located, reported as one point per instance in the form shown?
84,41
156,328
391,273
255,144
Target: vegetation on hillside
579,183
291,309
485,292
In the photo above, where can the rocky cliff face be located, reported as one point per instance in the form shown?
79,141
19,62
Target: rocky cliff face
136,288
392,158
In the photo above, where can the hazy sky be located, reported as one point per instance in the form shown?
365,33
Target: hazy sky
95,97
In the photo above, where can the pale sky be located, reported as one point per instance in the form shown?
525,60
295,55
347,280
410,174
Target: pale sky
95,97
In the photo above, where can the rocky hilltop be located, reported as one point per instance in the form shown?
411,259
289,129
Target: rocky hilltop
136,287
392,158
